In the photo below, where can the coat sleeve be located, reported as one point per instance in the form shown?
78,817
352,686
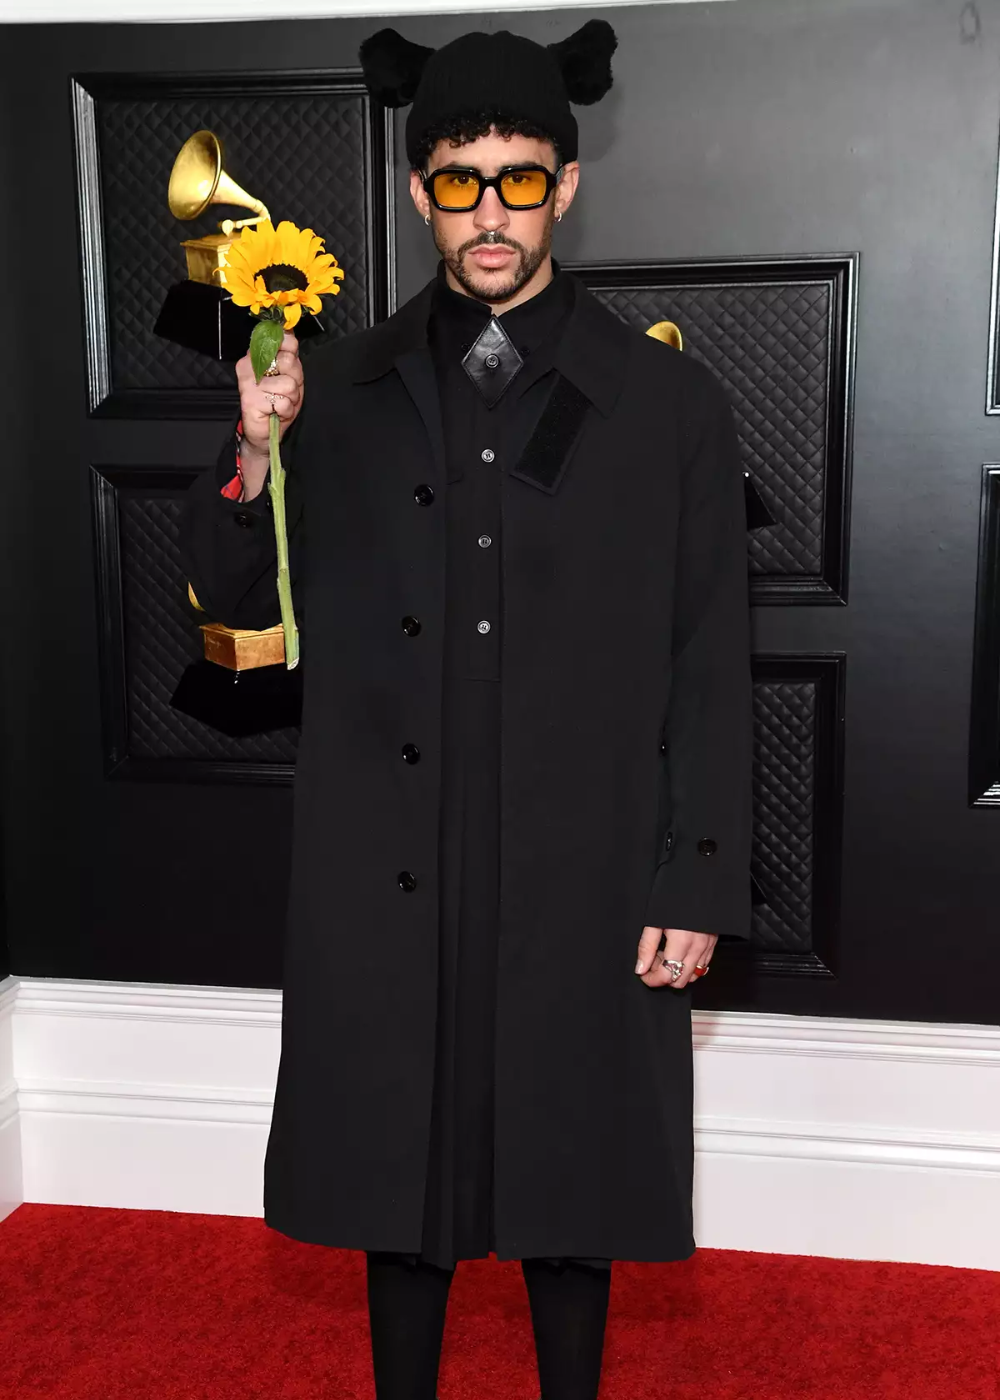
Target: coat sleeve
228,548
702,879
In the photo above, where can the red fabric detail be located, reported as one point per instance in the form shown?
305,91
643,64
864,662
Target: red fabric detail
103,1304
233,489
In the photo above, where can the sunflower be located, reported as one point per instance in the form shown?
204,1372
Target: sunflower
280,271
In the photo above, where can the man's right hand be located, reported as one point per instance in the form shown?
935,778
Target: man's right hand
285,392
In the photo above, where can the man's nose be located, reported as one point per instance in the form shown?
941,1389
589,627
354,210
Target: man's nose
491,215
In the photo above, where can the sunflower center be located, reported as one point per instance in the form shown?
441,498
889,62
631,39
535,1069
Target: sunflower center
283,277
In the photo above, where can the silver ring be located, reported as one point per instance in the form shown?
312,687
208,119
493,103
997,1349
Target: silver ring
676,967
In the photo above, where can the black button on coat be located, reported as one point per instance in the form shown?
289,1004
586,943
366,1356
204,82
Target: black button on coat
625,626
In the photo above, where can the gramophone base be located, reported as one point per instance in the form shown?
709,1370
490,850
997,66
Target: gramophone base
241,650
240,703
205,318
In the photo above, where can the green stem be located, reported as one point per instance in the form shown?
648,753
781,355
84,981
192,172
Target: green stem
276,486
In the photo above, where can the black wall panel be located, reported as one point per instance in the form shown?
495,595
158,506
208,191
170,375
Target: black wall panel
149,637
769,141
311,145
779,332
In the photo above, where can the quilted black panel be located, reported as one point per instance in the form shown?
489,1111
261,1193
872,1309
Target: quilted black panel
161,637
780,343
306,155
785,785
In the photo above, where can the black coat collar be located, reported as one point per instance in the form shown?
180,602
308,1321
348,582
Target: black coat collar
592,352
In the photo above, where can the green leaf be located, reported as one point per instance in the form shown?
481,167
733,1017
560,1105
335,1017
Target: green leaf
264,345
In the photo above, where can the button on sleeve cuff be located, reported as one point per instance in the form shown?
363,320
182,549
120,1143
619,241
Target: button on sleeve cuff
703,893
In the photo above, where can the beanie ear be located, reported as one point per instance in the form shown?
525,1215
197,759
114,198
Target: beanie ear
584,60
392,66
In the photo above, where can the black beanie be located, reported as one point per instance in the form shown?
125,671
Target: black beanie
497,75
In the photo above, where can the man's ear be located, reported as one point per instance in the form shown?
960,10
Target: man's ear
419,195
566,188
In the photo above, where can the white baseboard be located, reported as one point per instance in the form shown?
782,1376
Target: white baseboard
853,1139
11,1185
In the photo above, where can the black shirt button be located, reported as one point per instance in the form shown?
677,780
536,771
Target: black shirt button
407,881
411,753
492,361
706,846
668,841
411,625
663,748
242,518
423,494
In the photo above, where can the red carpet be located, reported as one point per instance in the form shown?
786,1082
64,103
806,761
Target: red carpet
108,1304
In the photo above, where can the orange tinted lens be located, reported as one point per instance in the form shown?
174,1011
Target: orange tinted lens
523,187
455,189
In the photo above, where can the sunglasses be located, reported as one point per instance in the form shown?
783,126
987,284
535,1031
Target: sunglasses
517,187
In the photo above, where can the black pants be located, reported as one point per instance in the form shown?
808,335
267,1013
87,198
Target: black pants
407,1299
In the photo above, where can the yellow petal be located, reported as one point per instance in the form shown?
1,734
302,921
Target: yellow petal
292,314
261,295
313,304
285,240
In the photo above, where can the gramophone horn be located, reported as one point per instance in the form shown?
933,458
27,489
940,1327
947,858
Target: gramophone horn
669,332
198,180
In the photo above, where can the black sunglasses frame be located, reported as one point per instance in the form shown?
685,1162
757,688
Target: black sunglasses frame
488,182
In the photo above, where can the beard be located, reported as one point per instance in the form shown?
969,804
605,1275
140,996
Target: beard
498,285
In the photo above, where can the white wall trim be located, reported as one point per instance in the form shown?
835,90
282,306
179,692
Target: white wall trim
200,11
854,1139
11,1186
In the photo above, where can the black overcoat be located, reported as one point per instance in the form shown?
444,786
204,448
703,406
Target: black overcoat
625,781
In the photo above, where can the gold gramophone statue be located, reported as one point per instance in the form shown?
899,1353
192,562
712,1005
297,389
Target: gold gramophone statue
240,648
198,313
197,181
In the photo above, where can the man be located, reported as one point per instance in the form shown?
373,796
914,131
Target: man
519,557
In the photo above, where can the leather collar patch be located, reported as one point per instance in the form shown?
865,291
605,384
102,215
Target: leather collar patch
492,362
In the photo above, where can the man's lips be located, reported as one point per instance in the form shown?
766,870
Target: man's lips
495,255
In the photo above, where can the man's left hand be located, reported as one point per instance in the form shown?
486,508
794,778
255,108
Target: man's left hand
683,944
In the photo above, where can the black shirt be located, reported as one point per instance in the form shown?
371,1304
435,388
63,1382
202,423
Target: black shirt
480,443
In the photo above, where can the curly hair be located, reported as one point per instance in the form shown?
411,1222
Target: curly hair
464,127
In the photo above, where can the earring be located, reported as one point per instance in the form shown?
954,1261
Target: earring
427,218
559,218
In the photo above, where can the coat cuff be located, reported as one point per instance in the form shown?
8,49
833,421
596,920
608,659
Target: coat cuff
695,887
229,476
